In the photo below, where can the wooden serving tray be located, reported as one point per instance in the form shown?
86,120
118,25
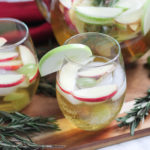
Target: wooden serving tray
73,138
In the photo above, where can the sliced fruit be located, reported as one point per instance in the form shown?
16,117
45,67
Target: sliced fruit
68,97
126,4
66,3
86,82
96,72
145,18
6,56
2,41
18,99
5,91
134,27
67,77
11,65
9,80
133,14
27,56
120,91
95,94
97,15
53,60
30,70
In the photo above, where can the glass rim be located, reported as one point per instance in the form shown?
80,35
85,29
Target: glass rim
101,34
26,32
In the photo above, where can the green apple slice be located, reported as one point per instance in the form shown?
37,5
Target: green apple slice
52,60
30,70
126,4
146,19
133,14
97,15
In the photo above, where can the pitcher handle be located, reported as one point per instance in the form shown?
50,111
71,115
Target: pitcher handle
44,7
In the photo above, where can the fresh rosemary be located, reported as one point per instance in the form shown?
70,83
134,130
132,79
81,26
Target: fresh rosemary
15,129
137,114
47,87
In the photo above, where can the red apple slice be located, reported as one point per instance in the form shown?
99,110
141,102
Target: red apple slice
2,41
6,56
95,94
11,65
68,97
34,76
9,80
96,72
67,77
26,55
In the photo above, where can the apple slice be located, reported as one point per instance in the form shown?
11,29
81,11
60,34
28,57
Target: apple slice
9,80
133,14
96,94
97,15
67,77
68,97
6,56
96,72
66,3
30,70
120,91
145,18
26,55
11,65
53,60
2,41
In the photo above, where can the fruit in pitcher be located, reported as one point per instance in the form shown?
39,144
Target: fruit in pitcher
97,15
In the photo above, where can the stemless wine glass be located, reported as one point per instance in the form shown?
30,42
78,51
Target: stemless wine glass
91,93
19,73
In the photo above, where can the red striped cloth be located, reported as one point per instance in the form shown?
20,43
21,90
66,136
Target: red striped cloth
28,12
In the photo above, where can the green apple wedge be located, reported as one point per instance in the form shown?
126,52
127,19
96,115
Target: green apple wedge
53,60
145,18
97,15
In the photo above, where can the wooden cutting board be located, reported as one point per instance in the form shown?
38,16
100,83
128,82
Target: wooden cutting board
73,138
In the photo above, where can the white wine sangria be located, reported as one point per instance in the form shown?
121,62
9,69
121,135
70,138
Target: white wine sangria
90,87
19,73
125,20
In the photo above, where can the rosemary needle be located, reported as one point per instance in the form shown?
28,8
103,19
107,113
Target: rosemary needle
137,114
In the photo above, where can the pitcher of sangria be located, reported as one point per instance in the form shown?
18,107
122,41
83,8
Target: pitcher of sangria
19,73
125,20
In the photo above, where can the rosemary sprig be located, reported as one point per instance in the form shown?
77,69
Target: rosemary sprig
137,114
14,125
46,87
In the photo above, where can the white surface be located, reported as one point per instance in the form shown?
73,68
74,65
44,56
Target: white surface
137,144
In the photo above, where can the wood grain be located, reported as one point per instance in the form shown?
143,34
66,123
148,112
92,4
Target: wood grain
74,138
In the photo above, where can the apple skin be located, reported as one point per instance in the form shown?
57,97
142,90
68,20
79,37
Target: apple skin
99,99
8,59
67,92
34,77
13,67
13,84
